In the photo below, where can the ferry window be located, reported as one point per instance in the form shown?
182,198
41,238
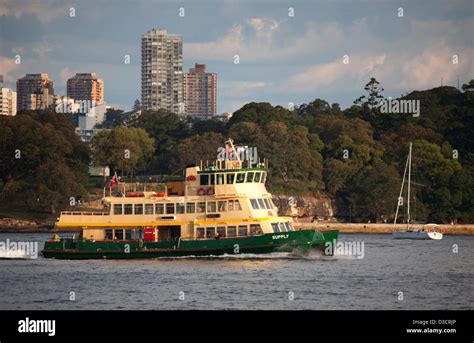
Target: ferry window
148,208
117,208
264,176
138,208
282,227
211,206
190,207
221,231
169,208
159,209
210,232
201,207
242,230
275,227
257,177
200,232
180,207
128,209
220,179
250,177
231,205
204,179
255,230
128,234
231,231
254,204
261,203
240,178
288,226
212,179
108,235
118,234
137,234
222,206
267,204
237,206
230,178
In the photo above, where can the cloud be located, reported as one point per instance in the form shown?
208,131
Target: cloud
7,68
44,10
325,74
426,69
65,74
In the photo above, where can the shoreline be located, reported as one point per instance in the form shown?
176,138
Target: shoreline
447,229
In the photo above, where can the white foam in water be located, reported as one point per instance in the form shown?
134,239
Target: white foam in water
312,255
274,255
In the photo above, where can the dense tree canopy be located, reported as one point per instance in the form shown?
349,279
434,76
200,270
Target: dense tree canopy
125,149
43,163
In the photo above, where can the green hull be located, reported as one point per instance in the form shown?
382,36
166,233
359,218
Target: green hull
301,241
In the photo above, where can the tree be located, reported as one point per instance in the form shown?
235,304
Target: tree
373,97
113,118
43,163
137,105
192,150
468,86
262,113
373,192
123,148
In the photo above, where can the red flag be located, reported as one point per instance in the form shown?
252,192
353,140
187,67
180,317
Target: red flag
113,181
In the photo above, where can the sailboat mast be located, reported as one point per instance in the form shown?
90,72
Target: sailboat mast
409,184
401,189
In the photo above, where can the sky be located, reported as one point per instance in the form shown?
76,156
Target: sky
283,59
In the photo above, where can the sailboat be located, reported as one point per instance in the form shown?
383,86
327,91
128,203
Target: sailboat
427,232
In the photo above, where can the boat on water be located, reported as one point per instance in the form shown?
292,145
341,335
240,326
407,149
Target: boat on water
216,209
429,230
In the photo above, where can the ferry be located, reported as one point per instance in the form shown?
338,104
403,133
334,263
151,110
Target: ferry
222,207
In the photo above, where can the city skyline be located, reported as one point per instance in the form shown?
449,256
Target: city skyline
282,59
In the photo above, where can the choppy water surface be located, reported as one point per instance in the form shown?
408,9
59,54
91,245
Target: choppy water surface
428,273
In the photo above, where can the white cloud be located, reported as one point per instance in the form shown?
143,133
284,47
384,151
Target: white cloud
426,69
325,74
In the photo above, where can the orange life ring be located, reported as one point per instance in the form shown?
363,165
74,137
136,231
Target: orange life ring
201,191
210,191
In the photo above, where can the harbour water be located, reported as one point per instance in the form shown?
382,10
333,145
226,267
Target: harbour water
393,274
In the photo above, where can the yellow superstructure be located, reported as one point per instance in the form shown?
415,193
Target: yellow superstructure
222,200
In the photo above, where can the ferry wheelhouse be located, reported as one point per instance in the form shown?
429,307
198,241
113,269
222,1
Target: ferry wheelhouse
220,208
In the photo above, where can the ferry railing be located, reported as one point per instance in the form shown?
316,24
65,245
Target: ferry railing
79,213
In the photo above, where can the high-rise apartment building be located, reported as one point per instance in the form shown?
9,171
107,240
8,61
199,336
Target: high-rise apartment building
7,100
162,71
200,92
34,91
86,86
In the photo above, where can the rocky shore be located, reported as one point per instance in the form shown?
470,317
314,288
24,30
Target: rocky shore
12,225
